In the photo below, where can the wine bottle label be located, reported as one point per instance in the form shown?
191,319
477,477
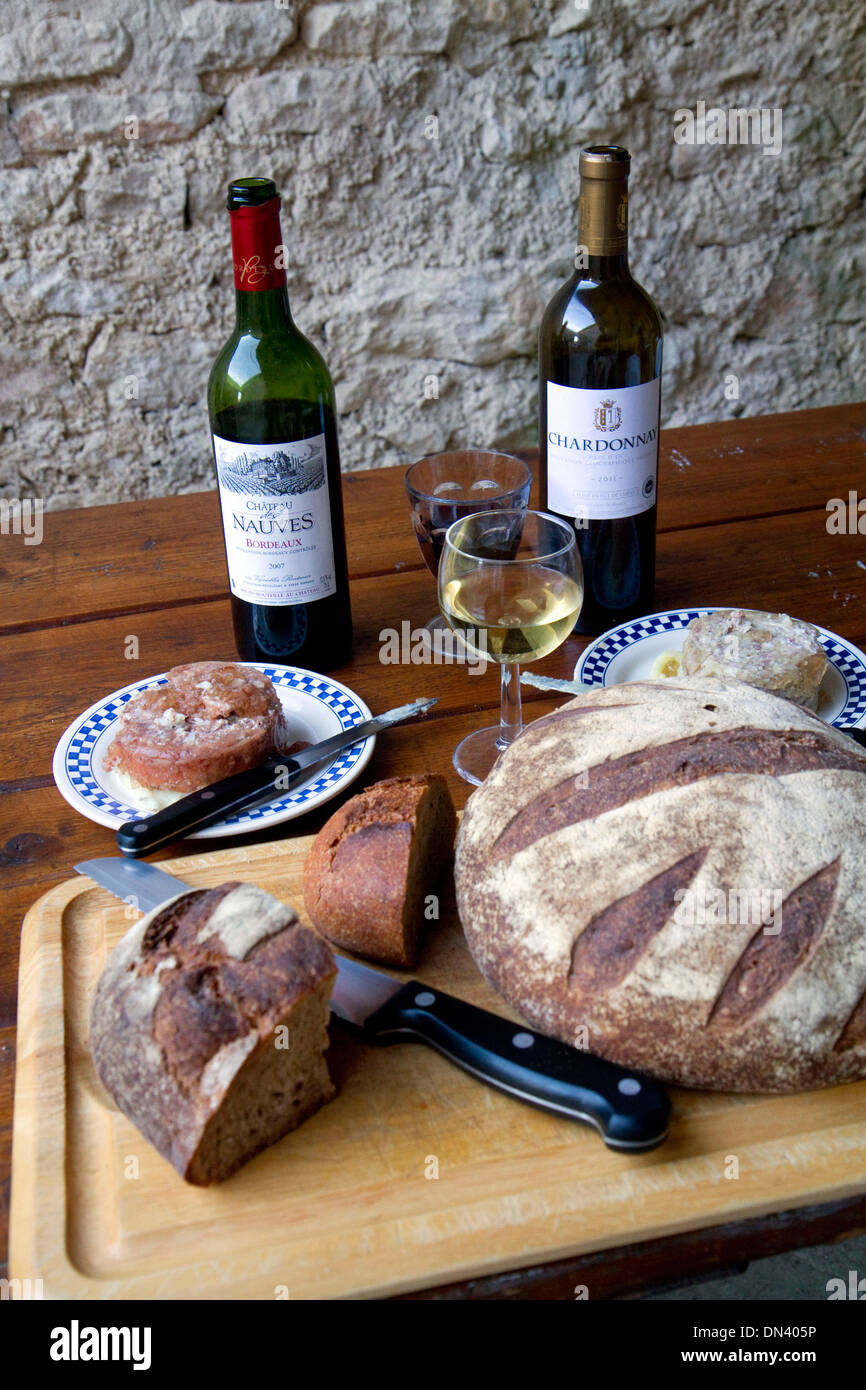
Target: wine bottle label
602,450
277,520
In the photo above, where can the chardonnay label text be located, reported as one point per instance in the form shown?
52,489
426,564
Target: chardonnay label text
602,450
277,520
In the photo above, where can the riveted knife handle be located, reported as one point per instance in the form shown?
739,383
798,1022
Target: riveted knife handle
218,802
630,1111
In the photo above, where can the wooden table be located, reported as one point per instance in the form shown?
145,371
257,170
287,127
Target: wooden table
742,521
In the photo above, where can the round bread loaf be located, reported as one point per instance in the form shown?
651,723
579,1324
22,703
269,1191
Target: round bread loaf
672,876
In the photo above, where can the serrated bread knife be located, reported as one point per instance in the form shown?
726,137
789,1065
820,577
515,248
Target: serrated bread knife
630,1111
273,777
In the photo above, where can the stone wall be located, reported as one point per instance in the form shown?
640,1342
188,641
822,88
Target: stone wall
427,154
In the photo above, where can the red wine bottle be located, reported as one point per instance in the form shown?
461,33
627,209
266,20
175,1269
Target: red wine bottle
273,422
600,361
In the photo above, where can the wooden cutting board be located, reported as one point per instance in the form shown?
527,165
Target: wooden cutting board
415,1175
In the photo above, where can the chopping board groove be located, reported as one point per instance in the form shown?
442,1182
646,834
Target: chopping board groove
345,1207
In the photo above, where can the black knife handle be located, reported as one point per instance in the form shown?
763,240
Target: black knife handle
224,799
858,735
629,1110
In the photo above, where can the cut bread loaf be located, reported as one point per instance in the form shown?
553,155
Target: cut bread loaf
209,1026
672,875
375,861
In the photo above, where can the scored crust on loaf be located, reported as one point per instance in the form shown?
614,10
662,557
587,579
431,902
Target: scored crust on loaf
579,857
373,863
183,1027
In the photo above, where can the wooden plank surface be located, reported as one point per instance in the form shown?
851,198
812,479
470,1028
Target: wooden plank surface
742,518
132,556
788,562
38,707
346,1206
665,1264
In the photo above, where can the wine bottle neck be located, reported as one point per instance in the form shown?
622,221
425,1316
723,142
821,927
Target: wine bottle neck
259,257
262,312
603,228
601,268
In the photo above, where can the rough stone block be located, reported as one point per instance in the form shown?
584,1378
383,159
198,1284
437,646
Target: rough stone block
213,35
62,46
370,27
303,100
67,120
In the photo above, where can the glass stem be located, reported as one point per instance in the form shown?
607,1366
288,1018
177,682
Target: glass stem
510,715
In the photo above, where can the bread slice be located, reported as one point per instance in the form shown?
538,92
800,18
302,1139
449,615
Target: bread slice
209,1026
375,862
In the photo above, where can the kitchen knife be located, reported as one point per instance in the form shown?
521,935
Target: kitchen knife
630,1111
229,797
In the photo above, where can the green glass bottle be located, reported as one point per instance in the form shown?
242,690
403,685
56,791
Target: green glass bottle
273,421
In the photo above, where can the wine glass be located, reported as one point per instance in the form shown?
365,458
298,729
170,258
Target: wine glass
511,588
443,487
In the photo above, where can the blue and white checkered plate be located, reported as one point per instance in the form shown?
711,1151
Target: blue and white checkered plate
627,653
315,706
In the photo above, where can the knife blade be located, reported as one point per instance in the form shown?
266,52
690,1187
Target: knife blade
630,1111
228,797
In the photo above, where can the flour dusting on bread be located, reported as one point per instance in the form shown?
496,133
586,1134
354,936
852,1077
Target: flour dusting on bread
606,820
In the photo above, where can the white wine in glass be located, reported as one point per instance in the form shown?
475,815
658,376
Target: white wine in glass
511,588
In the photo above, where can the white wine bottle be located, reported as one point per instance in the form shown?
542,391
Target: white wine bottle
600,361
